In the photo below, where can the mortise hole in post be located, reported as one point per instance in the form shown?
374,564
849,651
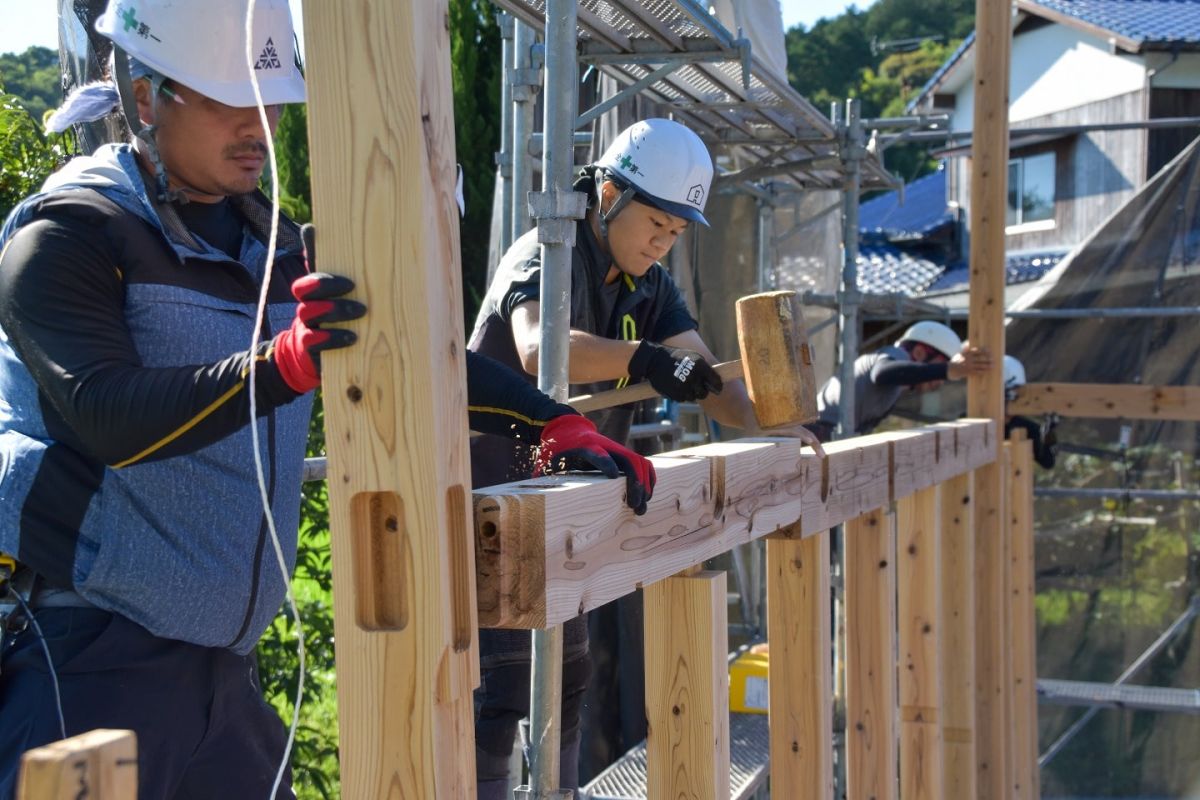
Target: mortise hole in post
380,547
462,571
488,529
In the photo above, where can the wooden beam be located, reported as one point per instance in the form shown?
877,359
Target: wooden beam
912,461
855,481
800,687
1109,401
99,765
870,657
551,548
958,636
1024,741
383,171
985,393
687,687
918,546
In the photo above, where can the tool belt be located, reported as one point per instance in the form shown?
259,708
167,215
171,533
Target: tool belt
21,588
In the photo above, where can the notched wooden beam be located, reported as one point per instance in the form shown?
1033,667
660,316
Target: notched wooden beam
551,548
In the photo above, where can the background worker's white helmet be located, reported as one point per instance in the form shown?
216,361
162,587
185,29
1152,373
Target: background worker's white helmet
665,163
1014,376
933,334
202,44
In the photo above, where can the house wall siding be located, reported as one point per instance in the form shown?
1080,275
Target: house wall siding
1095,173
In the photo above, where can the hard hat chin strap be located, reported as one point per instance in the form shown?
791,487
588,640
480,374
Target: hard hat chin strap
604,217
144,134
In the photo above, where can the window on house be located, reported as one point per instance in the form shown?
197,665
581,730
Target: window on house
1030,189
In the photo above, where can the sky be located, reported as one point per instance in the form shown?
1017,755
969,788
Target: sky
28,22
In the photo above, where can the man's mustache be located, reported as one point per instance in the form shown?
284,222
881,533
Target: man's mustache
246,149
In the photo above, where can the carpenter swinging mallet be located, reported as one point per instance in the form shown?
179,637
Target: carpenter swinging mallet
776,363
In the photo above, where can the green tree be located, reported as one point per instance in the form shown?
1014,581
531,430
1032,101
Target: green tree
824,63
26,156
34,77
475,68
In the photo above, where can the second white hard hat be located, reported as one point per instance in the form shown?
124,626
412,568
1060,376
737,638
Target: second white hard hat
203,46
1014,372
933,334
666,163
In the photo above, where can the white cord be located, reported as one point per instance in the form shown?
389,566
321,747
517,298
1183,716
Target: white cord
33,623
258,465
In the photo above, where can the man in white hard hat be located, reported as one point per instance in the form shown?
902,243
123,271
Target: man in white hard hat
1042,436
128,294
927,354
628,323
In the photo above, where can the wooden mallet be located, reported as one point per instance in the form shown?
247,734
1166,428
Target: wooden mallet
776,363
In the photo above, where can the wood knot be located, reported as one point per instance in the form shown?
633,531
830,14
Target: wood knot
391,524
355,394
912,549
675,710
883,563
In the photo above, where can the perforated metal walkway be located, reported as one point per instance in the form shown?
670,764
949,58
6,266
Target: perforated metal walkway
1106,695
749,754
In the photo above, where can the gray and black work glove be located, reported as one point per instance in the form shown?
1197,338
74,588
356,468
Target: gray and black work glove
681,375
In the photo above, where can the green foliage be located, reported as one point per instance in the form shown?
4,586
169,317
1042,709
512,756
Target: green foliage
34,77
291,155
859,54
475,68
26,156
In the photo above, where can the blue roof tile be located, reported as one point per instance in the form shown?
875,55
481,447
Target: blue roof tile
1147,22
888,270
1020,268
923,211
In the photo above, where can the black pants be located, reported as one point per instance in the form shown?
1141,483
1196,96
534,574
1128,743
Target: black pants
203,728
502,701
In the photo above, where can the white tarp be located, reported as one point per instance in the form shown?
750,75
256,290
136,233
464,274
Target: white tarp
760,21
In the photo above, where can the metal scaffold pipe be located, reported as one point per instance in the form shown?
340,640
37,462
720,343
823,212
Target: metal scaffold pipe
556,208
851,153
523,87
504,158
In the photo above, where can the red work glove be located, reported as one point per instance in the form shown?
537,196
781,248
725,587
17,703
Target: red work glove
298,349
572,439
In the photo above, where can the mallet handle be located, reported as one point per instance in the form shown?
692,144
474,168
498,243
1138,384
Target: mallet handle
584,403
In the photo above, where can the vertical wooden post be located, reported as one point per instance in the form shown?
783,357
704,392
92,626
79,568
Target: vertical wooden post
918,545
985,398
383,171
800,687
870,657
98,765
1024,739
958,636
687,687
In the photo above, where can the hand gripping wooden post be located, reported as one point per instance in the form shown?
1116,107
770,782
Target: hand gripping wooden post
381,132
776,363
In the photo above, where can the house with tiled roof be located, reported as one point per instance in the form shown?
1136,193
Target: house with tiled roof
1079,69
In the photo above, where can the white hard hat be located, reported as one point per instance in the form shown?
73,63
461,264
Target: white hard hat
933,334
1014,373
203,46
666,164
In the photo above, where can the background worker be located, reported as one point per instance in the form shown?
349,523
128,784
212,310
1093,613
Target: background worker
926,355
1043,436
628,323
128,291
